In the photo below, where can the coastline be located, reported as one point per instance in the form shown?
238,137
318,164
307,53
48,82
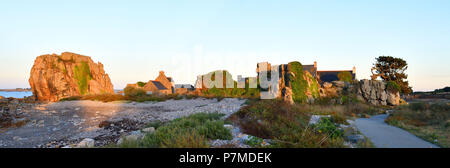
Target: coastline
16,90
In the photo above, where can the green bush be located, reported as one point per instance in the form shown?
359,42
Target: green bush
393,86
188,132
326,125
287,125
254,141
141,84
345,76
298,83
134,92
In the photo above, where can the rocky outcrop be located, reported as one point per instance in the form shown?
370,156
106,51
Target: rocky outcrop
371,91
305,89
375,92
58,76
1,97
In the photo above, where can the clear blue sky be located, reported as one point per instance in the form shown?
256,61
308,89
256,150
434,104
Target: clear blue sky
136,39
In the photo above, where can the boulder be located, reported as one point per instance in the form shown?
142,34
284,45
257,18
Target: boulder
327,85
86,143
375,92
134,136
339,84
393,99
54,77
148,130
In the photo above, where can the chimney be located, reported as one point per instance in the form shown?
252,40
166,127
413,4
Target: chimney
161,72
354,70
315,64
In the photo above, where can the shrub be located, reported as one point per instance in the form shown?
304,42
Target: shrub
282,122
104,97
326,125
141,84
298,83
72,98
393,86
134,92
345,76
188,132
254,141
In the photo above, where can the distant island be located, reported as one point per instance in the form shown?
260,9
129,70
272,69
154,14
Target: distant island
16,90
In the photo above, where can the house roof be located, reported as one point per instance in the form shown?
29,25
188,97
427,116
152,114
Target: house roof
330,76
309,68
170,79
159,85
184,86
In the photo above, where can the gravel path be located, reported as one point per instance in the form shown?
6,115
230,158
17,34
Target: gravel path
65,123
383,135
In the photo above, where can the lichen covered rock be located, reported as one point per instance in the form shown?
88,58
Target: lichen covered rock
54,77
375,92
293,85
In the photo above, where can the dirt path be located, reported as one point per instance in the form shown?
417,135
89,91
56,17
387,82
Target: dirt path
66,123
385,136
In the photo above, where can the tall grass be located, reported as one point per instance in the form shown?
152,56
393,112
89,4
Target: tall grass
286,124
187,132
430,121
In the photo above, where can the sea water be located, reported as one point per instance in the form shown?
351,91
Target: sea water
15,94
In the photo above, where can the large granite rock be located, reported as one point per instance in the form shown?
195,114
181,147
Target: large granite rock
375,92
58,76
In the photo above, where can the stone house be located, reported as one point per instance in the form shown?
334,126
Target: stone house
183,88
326,75
161,85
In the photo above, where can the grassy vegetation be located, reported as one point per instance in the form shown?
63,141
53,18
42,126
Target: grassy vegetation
345,76
187,132
430,122
131,94
82,75
350,108
233,92
286,124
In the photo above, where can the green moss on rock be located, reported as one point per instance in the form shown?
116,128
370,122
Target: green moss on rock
298,84
314,86
82,76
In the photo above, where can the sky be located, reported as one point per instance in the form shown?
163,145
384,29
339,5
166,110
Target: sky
136,39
